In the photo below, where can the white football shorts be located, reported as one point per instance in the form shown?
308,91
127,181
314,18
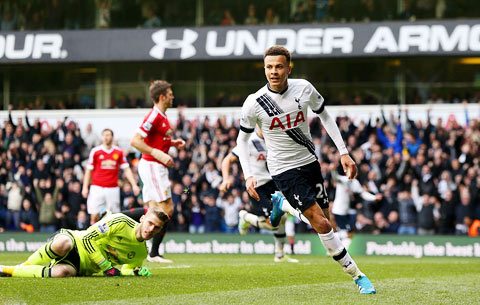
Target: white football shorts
103,199
156,185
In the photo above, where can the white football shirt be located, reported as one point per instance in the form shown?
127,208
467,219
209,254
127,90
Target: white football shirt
257,158
343,191
282,117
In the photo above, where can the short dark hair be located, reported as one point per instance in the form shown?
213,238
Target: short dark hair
158,211
278,50
157,88
108,129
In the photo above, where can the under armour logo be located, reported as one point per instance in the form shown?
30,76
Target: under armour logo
297,198
185,44
346,266
297,100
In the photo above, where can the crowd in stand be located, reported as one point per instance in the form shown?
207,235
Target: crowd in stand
428,174
77,14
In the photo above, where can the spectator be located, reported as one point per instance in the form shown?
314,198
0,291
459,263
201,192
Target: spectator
102,19
406,13
300,15
9,21
48,205
463,213
213,218
407,214
388,138
320,7
65,217
426,218
227,19
28,217
14,205
383,226
446,225
83,222
251,18
231,207
270,17
152,20
197,223
91,139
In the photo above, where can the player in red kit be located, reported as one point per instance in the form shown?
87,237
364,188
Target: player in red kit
153,139
103,167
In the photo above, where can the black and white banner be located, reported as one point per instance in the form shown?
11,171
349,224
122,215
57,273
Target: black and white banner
459,37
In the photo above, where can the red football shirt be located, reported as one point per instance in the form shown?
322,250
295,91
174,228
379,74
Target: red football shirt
157,132
105,165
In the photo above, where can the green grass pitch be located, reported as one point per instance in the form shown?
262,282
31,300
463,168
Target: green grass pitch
256,279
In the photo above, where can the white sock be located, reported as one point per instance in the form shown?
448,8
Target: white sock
335,248
279,236
287,208
259,222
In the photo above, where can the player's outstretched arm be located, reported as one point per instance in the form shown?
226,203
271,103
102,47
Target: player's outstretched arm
227,161
242,152
331,127
138,142
131,180
349,166
131,270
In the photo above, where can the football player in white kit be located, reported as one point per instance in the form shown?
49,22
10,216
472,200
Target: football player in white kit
341,209
263,214
280,109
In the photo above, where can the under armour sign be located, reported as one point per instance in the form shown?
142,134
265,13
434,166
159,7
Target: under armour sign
32,46
185,44
373,39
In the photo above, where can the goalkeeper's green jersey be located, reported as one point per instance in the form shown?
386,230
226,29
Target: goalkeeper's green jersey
112,238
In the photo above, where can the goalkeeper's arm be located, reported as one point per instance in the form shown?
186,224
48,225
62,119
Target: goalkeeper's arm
134,270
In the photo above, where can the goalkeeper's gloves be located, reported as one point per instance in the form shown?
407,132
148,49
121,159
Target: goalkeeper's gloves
141,271
108,269
112,272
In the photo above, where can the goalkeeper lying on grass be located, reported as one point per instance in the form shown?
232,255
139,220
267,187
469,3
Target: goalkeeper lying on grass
116,240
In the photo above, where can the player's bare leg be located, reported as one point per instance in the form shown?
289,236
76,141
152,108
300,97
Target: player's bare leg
335,248
154,256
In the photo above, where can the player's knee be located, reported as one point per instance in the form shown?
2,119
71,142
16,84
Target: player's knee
167,207
62,245
62,271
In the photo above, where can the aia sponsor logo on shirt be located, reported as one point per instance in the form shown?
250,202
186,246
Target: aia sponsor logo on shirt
288,121
261,157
